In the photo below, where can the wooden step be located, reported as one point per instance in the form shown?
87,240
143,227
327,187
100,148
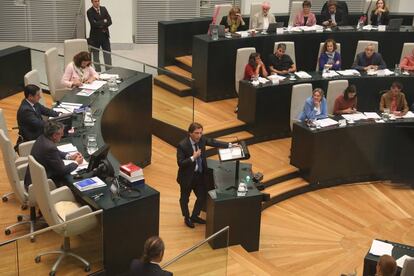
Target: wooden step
255,265
288,169
234,137
286,186
186,60
172,85
218,127
179,71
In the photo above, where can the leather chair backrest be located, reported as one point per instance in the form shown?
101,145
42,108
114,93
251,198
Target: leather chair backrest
362,44
300,92
335,88
72,47
295,7
32,77
242,59
407,49
338,49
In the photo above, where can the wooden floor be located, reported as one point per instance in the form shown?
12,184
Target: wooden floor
325,232
178,111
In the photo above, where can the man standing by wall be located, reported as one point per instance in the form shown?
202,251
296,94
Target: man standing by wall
100,20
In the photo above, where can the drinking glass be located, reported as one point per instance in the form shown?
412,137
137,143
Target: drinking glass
92,144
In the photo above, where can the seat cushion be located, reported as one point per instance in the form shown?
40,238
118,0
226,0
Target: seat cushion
65,207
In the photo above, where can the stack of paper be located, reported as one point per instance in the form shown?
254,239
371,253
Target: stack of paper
329,74
66,107
408,115
85,92
276,76
95,85
349,72
401,260
68,148
82,166
326,122
230,153
379,248
354,117
303,75
105,76
372,115
89,184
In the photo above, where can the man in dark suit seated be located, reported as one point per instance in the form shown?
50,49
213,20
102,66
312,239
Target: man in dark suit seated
369,60
152,255
29,114
192,169
333,16
45,152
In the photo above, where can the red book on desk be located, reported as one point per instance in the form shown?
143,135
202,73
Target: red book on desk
131,169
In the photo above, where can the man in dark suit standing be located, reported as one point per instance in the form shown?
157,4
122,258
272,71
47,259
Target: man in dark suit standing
29,114
45,152
100,20
192,169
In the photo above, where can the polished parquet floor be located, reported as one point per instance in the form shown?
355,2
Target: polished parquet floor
325,232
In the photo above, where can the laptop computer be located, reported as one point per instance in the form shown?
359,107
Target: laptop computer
273,26
394,24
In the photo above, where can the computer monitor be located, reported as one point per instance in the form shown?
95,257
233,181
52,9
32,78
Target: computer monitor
394,24
98,157
66,120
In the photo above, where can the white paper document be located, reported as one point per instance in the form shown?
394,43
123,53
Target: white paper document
303,75
372,115
65,107
379,248
94,85
85,92
105,76
67,148
326,122
276,76
408,115
349,72
329,74
230,153
82,166
354,117
401,260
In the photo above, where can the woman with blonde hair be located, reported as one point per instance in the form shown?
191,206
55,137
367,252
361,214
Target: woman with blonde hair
380,15
234,21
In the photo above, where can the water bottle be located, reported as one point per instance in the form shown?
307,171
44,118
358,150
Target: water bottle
112,85
247,179
397,70
214,32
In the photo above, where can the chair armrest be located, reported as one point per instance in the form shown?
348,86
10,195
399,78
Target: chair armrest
21,160
61,194
25,148
78,212
21,171
51,184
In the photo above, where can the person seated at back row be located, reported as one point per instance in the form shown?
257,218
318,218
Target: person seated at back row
380,15
394,100
333,16
330,58
305,17
346,103
315,107
407,63
369,60
281,63
79,71
261,20
234,21
255,67
148,264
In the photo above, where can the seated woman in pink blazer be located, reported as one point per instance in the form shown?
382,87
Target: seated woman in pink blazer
305,17
79,71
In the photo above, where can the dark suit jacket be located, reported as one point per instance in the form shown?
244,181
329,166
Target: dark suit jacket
186,166
30,121
340,17
99,29
385,18
138,268
361,61
46,153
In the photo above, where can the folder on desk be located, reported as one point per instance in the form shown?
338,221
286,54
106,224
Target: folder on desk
89,184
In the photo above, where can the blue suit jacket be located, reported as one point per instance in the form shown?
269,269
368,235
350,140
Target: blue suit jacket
309,112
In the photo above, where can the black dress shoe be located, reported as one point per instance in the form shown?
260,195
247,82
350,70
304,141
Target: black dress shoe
188,222
198,220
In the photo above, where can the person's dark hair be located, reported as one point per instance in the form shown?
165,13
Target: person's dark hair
153,248
349,89
320,90
397,84
332,3
81,56
193,126
52,127
307,4
30,89
281,46
325,45
252,59
386,266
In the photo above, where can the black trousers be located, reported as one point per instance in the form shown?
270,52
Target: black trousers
199,187
101,41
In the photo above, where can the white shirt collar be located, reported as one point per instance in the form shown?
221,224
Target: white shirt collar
31,104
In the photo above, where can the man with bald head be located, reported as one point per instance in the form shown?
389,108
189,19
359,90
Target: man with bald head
262,19
369,60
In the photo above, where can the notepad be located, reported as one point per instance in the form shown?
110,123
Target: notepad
89,184
379,248
93,86
401,260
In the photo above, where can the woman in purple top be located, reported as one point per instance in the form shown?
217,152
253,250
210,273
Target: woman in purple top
330,58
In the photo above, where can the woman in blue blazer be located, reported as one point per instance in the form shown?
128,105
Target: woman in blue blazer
315,107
